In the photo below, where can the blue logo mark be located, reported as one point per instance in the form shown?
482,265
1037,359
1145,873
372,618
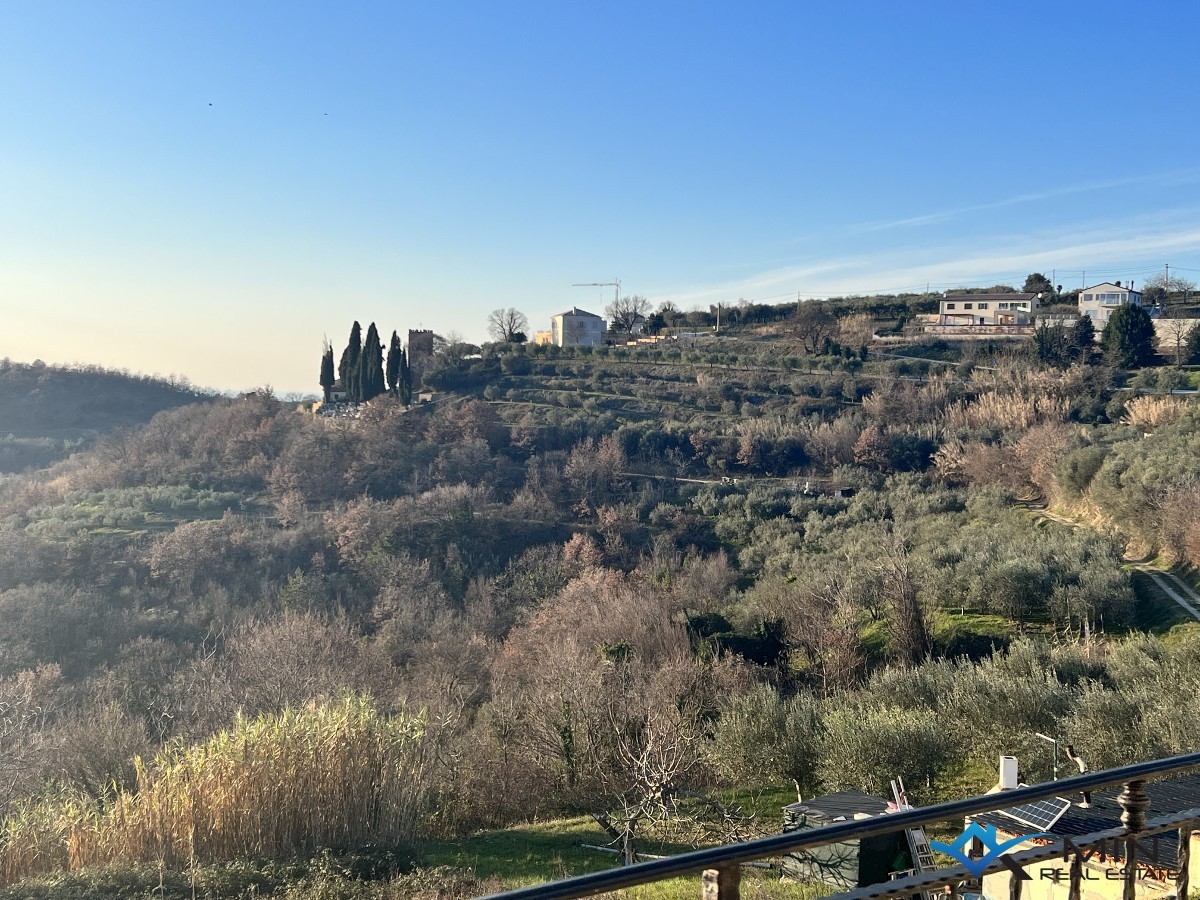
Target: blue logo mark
991,844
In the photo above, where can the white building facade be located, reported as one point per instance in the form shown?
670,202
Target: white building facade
577,328
987,309
1100,301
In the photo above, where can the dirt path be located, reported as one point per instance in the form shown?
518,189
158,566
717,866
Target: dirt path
1175,588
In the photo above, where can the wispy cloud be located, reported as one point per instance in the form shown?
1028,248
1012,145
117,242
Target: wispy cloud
1158,178
984,261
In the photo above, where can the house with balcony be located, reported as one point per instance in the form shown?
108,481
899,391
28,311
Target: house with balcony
987,309
1100,301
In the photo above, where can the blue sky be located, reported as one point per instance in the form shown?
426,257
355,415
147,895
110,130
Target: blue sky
209,189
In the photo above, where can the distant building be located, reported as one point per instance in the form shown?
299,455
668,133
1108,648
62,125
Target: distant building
420,342
543,337
420,352
577,328
1100,301
987,309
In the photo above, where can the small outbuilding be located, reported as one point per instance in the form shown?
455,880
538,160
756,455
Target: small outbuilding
850,864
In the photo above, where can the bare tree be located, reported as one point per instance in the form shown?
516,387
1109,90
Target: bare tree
909,642
1158,288
1173,336
626,312
508,325
856,329
813,323
669,311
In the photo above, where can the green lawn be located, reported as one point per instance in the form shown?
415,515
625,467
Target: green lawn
526,854
545,851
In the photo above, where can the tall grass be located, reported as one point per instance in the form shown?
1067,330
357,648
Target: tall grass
331,775
1149,412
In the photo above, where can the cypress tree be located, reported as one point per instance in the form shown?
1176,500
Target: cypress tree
371,365
395,351
327,375
348,368
405,380
1083,336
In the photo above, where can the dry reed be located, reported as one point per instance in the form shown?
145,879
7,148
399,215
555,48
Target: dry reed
1150,412
332,775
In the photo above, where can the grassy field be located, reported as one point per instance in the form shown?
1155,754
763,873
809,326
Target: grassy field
545,851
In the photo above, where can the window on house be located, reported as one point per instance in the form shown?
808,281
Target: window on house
949,306
1002,306
967,306
983,306
1087,298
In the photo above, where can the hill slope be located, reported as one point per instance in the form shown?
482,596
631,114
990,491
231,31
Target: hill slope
48,411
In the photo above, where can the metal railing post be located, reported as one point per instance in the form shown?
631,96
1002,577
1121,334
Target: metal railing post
724,883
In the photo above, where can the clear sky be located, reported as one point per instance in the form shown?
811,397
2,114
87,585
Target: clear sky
208,189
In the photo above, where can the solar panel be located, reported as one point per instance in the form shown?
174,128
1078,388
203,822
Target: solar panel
1040,814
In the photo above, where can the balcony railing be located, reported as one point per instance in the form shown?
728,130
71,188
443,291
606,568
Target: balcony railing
720,867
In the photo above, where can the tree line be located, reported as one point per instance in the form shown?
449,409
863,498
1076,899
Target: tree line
363,372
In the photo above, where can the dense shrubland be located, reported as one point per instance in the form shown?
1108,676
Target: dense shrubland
577,629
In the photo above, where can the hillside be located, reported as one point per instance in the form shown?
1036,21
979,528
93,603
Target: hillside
786,566
48,411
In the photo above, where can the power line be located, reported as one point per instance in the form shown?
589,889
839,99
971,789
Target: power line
940,286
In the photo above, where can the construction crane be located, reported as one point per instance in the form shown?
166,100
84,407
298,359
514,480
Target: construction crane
615,284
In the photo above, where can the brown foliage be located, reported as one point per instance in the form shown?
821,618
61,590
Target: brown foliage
873,449
906,403
1041,449
594,470
470,420
831,444
823,620
1150,412
357,526
1180,528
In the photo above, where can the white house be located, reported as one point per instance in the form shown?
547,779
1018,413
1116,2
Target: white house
987,309
577,328
1101,300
